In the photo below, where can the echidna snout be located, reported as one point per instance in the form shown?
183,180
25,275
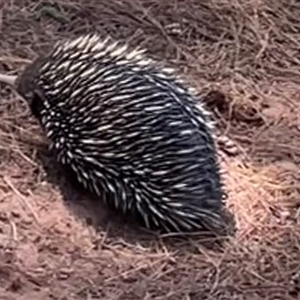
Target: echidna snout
130,131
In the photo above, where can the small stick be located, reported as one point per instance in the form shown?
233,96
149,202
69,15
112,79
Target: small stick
12,59
23,198
8,79
14,231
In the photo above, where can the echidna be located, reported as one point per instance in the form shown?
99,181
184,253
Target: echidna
130,130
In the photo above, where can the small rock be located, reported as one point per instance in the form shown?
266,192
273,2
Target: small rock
64,274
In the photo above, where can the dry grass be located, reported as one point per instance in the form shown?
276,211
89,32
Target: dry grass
244,55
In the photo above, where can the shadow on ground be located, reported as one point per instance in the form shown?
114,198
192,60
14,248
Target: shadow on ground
89,208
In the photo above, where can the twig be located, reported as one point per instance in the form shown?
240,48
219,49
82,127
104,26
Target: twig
14,59
23,198
14,230
136,269
7,79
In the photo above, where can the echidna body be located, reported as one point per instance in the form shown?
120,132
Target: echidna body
131,132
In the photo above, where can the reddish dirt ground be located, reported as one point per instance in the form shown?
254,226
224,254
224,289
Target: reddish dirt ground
58,243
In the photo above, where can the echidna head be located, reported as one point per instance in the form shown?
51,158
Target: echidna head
25,84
